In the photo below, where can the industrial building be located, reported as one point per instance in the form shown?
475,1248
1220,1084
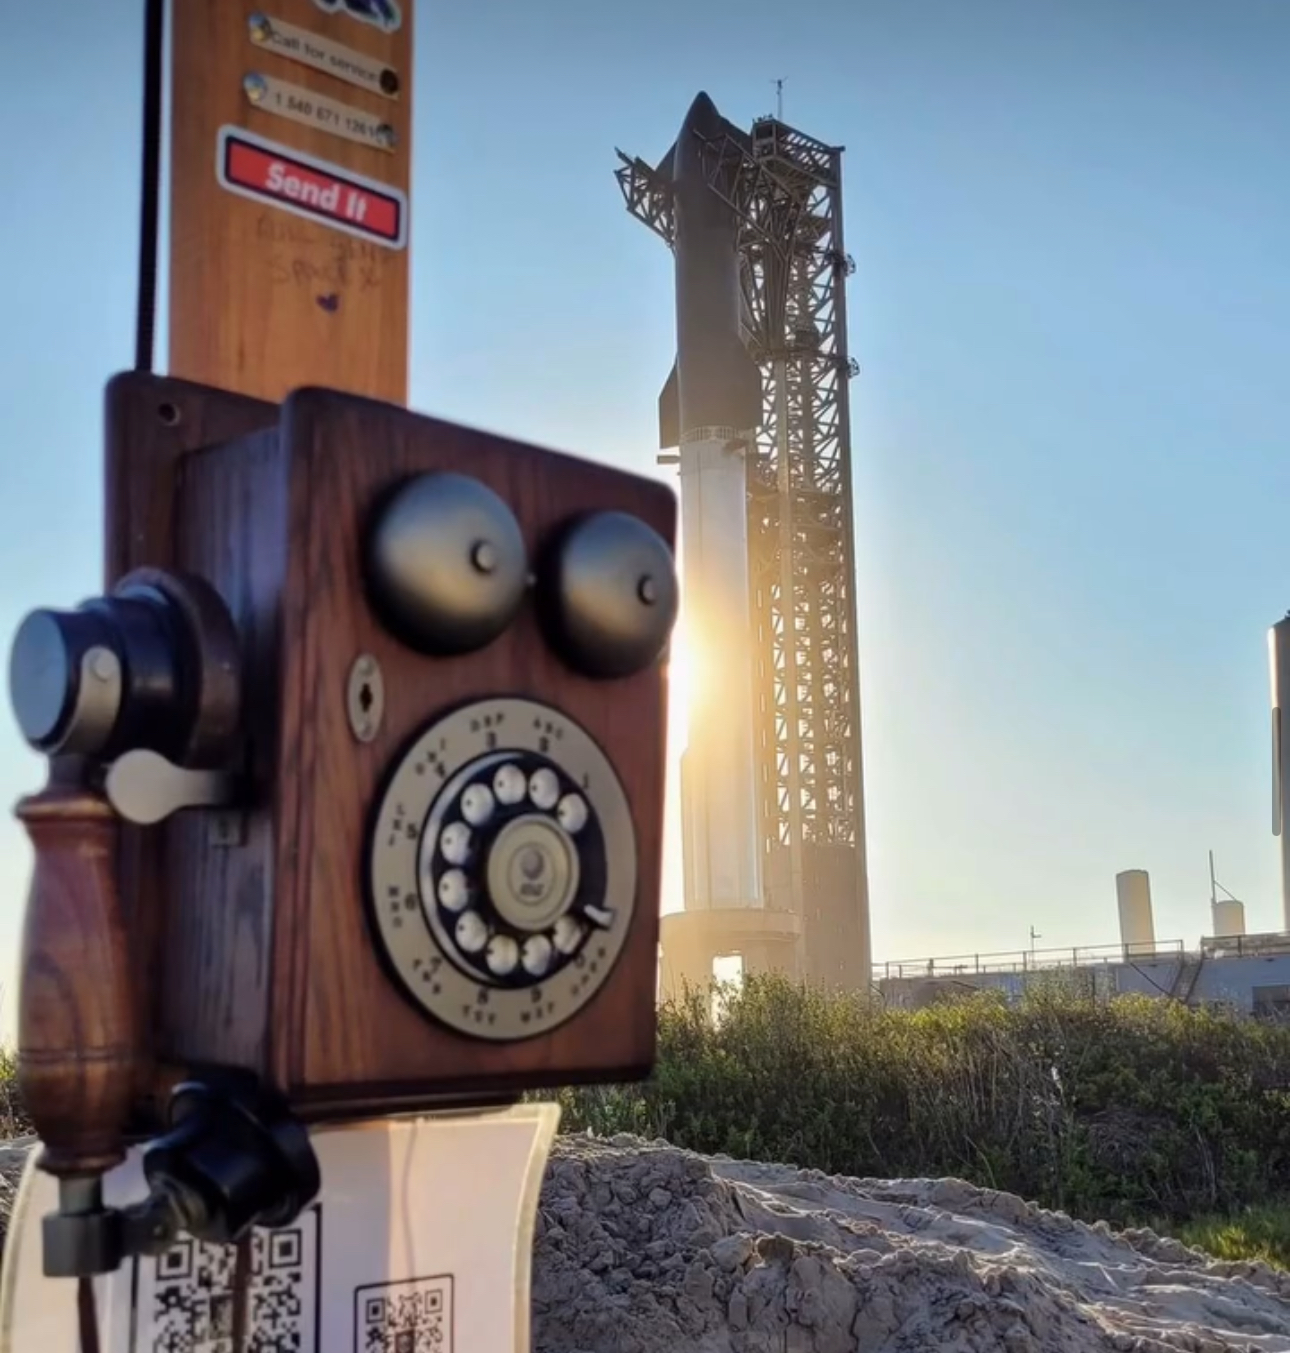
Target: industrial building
1230,970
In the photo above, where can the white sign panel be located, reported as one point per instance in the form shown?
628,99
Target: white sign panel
421,1238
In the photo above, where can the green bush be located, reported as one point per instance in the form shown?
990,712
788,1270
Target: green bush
1130,1110
1260,1232
13,1120
1126,1109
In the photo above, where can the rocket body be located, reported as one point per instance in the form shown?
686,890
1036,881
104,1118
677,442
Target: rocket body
709,410
1279,659
720,841
714,383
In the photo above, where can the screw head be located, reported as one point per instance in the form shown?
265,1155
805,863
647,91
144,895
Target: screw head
484,556
102,665
647,590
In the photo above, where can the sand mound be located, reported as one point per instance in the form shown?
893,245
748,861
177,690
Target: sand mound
642,1248
646,1249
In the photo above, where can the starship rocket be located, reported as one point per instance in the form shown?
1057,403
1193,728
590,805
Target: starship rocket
709,410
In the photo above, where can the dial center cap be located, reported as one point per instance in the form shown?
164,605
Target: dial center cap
533,873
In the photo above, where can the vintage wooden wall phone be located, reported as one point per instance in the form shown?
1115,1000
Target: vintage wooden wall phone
357,762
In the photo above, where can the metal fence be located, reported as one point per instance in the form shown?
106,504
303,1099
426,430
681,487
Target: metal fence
1246,946
1039,960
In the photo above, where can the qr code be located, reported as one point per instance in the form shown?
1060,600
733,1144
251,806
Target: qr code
412,1316
187,1300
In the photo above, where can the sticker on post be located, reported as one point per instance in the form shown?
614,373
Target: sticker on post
382,14
264,171
187,1296
411,1313
332,58
298,104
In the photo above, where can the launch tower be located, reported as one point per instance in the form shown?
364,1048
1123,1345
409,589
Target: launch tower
811,919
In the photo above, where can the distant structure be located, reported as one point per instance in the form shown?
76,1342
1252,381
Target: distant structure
1137,923
1279,660
775,868
1229,969
1249,974
1228,918
1226,913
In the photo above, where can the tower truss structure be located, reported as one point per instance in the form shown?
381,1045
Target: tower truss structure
787,190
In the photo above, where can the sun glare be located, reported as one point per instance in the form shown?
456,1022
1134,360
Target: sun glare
680,678
681,681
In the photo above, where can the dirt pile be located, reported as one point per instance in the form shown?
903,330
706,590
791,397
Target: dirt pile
642,1248
13,1159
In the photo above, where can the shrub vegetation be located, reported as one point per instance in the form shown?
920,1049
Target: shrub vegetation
1136,1110
13,1121
1128,1109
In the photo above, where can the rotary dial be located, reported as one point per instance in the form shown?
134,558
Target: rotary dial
503,869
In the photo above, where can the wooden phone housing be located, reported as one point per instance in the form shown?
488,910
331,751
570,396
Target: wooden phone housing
255,935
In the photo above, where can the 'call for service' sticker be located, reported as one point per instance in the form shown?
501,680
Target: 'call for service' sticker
266,172
298,104
382,14
332,58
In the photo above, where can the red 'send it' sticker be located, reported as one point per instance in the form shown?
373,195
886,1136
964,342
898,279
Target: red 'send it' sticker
253,167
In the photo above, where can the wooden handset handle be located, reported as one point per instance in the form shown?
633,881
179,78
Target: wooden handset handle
135,699
77,1040
150,672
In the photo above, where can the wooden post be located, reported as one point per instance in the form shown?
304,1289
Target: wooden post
290,154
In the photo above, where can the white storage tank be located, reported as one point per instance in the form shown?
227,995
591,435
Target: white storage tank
1229,918
1137,924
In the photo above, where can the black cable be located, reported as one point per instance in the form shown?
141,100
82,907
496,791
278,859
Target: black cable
144,332
87,1317
149,204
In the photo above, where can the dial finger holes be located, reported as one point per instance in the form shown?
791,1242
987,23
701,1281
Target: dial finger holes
454,843
477,805
471,932
522,862
454,891
572,813
503,955
536,955
568,934
510,786
544,789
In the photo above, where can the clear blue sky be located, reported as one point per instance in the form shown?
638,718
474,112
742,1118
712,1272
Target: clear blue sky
1070,223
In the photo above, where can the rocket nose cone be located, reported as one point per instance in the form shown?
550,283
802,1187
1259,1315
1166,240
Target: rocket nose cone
703,112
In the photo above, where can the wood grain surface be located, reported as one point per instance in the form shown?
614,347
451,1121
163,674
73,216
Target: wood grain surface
152,422
261,300
256,951
76,1028
270,962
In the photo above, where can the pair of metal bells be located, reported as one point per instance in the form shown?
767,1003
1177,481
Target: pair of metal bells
448,572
